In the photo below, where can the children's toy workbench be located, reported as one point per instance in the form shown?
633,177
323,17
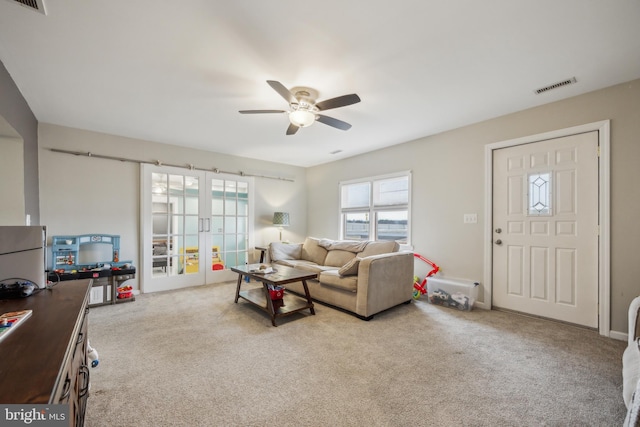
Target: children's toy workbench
97,257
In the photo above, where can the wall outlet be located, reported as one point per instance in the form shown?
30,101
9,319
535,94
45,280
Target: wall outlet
470,218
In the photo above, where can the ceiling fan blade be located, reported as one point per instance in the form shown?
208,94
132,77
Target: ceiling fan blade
340,101
339,124
283,91
292,129
260,111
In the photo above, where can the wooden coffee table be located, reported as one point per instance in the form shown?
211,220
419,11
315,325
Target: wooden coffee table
281,276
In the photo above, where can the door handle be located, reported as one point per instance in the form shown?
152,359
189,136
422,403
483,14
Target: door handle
498,230
208,227
199,225
498,242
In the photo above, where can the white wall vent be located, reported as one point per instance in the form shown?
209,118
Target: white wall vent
35,5
555,85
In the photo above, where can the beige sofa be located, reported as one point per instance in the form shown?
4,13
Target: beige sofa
364,278
631,366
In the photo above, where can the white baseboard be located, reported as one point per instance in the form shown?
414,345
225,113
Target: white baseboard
622,336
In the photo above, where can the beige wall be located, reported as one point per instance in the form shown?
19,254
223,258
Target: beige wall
17,120
448,181
11,180
82,195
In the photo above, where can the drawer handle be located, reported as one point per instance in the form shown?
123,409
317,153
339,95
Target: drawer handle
84,371
80,338
66,389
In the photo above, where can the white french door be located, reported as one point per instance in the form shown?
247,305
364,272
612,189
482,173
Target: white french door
545,228
195,225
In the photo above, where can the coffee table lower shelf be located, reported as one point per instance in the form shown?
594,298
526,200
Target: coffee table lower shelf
289,304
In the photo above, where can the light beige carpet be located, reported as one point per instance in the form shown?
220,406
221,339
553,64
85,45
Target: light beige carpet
195,358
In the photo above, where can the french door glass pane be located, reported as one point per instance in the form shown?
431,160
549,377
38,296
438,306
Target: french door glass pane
230,207
230,243
242,242
230,224
243,207
243,225
218,242
178,223
191,205
231,258
177,205
191,224
217,206
217,224
176,185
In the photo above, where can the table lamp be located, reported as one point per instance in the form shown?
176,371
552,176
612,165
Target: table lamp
280,220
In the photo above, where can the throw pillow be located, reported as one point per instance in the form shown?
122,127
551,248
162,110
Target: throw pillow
350,268
282,251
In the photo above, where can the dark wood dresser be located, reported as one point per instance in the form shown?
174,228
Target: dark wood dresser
44,361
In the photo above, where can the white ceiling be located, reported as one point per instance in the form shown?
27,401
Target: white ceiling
178,71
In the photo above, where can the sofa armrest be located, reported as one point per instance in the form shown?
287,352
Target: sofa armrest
384,281
634,318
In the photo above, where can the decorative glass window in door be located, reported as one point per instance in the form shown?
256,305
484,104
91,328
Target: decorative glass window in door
229,223
539,194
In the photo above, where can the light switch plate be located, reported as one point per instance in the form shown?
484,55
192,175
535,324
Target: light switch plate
470,218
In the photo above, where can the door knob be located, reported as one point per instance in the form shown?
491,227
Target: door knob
498,242
498,230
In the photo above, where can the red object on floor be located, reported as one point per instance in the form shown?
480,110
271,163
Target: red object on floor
276,293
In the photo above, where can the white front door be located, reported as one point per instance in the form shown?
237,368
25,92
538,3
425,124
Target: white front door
545,228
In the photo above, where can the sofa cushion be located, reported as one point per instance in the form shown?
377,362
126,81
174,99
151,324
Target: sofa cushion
308,266
281,251
332,279
312,251
301,264
338,258
379,247
350,268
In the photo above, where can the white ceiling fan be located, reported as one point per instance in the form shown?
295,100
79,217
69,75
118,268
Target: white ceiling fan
304,110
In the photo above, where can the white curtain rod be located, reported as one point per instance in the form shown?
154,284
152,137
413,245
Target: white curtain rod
159,163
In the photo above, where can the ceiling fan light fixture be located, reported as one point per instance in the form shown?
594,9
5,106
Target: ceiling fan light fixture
302,118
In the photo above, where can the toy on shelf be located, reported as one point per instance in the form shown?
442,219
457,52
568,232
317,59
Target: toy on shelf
420,288
125,292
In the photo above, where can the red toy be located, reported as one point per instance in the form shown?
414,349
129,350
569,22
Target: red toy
420,288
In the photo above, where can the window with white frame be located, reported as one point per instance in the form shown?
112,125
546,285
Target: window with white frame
376,208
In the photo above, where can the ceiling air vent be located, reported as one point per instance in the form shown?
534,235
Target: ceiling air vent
555,85
35,5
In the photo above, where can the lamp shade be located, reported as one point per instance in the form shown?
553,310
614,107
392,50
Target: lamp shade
281,219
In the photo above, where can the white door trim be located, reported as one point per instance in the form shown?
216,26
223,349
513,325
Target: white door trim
604,260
